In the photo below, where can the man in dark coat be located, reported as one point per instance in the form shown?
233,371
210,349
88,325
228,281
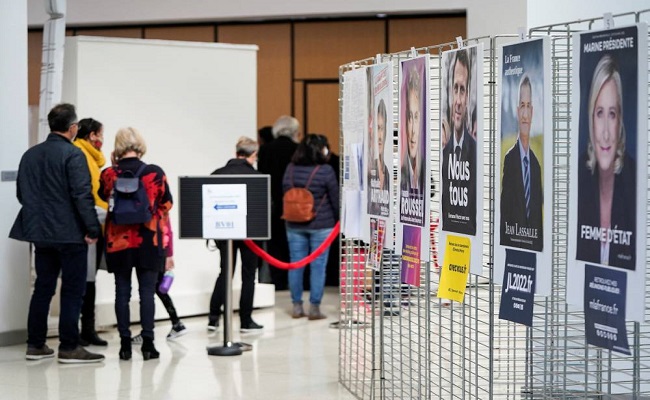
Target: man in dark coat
58,216
246,154
522,197
273,160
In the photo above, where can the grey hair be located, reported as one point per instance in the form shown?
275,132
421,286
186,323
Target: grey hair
286,126
246,146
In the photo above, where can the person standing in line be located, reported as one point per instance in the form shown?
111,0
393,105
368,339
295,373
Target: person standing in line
245,156
89,140
141,246
273,160
178,328
58,216
309,170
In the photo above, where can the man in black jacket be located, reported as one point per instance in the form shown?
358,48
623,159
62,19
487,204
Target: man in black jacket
273,160
58,216
246,152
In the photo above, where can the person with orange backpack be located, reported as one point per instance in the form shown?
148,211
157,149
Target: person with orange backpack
310,211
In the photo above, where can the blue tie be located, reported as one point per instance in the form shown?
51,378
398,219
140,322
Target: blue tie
527,186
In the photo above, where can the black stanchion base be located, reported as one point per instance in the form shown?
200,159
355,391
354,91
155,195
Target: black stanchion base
235,349
225,351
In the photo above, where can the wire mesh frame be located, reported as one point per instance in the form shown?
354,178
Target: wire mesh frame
423,352
571,368
558,363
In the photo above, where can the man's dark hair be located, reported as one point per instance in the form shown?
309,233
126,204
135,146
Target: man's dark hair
266,134
86,126
463,58
309,151
61,117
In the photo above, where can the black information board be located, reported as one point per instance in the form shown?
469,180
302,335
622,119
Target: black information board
258,204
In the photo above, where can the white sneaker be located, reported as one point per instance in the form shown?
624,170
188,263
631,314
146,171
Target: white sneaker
177,331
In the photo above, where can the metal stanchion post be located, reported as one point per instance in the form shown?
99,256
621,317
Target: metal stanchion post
229,348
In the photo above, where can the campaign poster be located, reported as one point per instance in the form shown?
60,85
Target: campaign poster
455,268
461,143
604,305
411,251
518,289
353,117
414,177
608,179
377,235
414,185
380,148
524,148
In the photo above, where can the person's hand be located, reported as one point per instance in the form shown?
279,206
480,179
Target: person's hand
90,240
169,263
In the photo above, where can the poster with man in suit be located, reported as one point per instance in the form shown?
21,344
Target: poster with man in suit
522,139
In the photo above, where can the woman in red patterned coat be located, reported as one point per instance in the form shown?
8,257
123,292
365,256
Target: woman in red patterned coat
140,246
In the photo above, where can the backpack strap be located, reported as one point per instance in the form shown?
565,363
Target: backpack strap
140,170
311,176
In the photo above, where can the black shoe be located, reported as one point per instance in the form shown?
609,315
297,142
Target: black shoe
79,356
213,324
148,349
250,326
89,336
125,348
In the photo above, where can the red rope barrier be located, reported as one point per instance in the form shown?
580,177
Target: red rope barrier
297,264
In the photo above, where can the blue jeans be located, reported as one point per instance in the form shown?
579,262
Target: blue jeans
71,261
303,242
147,279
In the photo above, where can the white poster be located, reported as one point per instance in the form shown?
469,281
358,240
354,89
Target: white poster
524,148
354,122
224,211
608,178
461,143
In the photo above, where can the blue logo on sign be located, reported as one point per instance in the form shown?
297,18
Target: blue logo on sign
225,207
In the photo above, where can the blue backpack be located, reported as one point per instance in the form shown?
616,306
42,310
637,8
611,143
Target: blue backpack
129,201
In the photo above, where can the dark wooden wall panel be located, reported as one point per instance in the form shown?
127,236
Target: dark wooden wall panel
273,65
421,32
323,111
185,33
321,47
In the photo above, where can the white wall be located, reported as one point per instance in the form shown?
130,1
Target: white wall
14,260
547,12
191,102
484,17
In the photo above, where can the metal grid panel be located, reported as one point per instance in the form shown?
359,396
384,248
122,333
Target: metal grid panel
413,346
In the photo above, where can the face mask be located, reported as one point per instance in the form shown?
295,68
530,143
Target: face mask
325,151
97,144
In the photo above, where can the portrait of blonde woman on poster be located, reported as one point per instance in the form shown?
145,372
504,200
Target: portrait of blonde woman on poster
607,174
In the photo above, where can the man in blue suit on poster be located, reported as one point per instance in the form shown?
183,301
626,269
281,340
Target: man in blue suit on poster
521,189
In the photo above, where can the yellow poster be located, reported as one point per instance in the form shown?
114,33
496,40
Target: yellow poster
453,276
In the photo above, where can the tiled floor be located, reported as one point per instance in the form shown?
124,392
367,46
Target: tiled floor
290,360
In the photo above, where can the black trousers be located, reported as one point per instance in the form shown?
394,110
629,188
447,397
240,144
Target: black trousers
249,263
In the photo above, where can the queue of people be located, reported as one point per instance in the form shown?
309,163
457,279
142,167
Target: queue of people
74,214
